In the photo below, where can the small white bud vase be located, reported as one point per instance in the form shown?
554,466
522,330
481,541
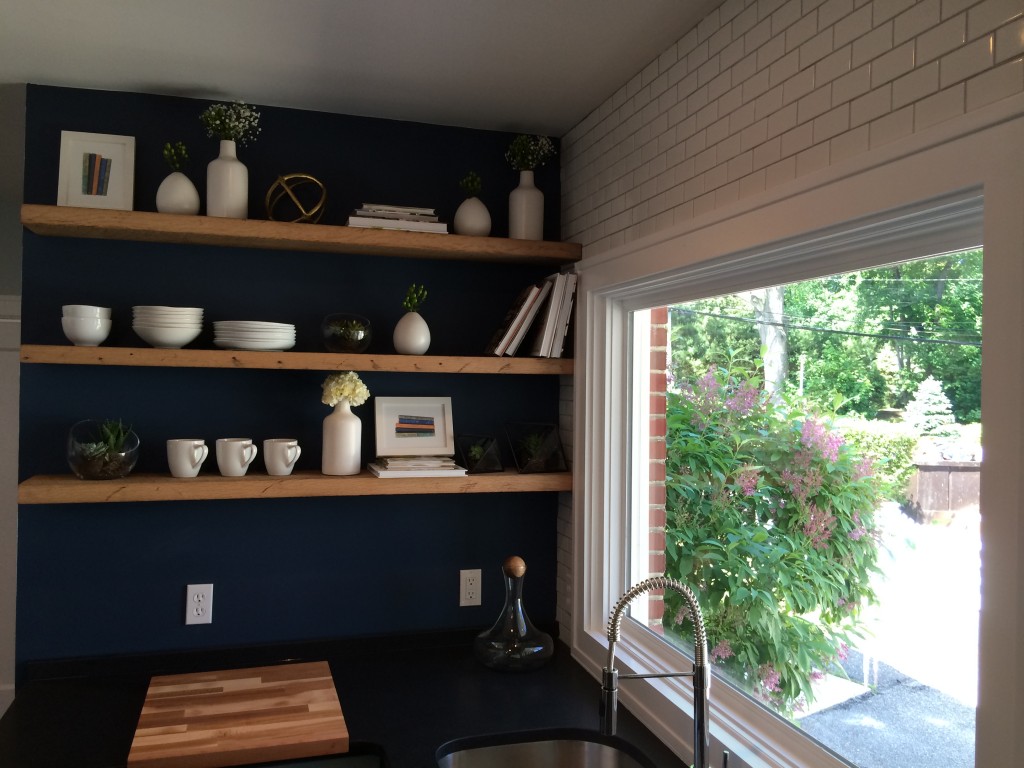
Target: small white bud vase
177,194
412,335
472,218
526,210
227,184
343,433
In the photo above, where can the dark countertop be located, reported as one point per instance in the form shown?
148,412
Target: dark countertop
408,695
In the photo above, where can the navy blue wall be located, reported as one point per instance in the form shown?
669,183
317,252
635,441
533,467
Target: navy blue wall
109,579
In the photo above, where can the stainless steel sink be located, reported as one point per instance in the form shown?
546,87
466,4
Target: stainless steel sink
556,748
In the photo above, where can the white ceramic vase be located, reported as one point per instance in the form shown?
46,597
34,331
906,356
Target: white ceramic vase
526,210
227,184
342,438
177,194
412,335
472,218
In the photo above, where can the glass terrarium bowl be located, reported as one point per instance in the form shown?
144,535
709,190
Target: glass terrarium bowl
345,332
94,455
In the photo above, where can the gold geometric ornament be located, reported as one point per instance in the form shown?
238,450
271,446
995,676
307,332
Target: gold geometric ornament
285,197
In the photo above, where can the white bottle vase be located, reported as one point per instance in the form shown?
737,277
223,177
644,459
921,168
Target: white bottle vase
342,438
526,210
412,335
227,184
177,194
472,218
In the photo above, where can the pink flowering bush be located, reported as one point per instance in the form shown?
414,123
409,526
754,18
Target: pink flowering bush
771,518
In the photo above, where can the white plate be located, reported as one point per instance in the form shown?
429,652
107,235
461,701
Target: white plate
267,346
262,335
170,310
252,325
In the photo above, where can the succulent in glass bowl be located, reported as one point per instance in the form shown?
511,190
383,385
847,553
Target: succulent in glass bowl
345,332
102,450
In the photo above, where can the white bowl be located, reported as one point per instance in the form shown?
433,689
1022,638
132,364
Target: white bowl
86,331
86,310
164,337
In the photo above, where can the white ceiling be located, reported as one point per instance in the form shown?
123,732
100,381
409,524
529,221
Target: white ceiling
536,66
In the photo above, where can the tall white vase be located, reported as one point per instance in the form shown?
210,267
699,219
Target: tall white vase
227,184
526,210
342,437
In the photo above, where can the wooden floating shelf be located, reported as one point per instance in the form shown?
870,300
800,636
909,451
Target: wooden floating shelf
292,361
63,221
143,487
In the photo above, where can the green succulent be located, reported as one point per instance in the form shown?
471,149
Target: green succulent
176,155
414,297
471,184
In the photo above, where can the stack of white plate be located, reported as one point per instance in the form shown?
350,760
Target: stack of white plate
253,334
167,327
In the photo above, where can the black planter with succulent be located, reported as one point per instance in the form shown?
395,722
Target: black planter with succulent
479,453
345,332
102,450
536,447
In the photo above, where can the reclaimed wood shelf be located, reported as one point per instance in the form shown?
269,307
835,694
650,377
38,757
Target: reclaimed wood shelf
58,354
147,487
142,226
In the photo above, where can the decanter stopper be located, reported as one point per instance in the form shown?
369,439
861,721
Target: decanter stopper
513,643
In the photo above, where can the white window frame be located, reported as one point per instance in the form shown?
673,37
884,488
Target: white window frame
930,185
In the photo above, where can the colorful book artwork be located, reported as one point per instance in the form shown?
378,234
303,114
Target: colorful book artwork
414,426
95,174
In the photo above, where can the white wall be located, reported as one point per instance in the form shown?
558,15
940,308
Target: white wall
12,150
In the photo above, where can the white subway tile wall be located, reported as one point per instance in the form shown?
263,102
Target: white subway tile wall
762,92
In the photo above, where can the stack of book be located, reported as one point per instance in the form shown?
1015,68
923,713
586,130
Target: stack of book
415,466
540,313
379,216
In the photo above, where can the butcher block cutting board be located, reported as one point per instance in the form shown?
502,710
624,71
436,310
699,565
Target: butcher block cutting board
239,716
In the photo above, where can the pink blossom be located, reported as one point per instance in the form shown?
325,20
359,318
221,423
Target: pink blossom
844,651
819,527
721,651
864,468
769,678
814,435
747,480
743,399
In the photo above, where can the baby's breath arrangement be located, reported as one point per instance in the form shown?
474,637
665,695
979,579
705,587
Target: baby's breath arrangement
176,155
236,122
344,386
528,152
414,297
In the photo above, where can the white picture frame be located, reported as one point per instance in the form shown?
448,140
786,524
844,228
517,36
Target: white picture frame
414,426
97,170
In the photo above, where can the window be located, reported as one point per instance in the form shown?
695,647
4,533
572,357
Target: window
781,242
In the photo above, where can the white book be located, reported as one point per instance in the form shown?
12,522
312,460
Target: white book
373,222
544,332
380,471
399,215
399,208
513,320
545,289
564,313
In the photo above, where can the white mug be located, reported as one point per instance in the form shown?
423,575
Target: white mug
185,456
234,455
280,455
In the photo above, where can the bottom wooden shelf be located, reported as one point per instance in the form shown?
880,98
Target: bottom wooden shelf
68,489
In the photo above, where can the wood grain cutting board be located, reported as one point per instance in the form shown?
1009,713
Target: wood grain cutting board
239,716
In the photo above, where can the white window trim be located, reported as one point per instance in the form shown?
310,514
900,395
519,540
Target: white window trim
949,166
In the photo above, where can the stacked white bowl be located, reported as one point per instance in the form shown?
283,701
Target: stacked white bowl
253,334
85,325
167,327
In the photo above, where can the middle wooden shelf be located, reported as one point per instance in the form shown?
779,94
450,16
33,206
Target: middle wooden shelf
147,487
309,361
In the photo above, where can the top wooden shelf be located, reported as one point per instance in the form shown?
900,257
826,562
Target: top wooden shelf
62,221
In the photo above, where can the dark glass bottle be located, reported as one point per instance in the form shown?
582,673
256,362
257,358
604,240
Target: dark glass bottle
513,644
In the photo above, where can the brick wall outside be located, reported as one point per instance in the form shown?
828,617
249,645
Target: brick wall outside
762,92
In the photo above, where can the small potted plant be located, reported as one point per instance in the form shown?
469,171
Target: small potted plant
472,217
536,447
227,178
344,332
412,336
526,202
102,450
177,193
479,454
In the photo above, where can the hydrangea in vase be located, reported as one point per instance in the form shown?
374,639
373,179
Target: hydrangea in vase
526,202
227,178
177,193
343,431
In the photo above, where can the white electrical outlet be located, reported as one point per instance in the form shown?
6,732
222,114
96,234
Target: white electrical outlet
469,587
199,604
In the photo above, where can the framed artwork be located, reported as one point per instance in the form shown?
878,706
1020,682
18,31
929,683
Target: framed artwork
97,170
414,426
